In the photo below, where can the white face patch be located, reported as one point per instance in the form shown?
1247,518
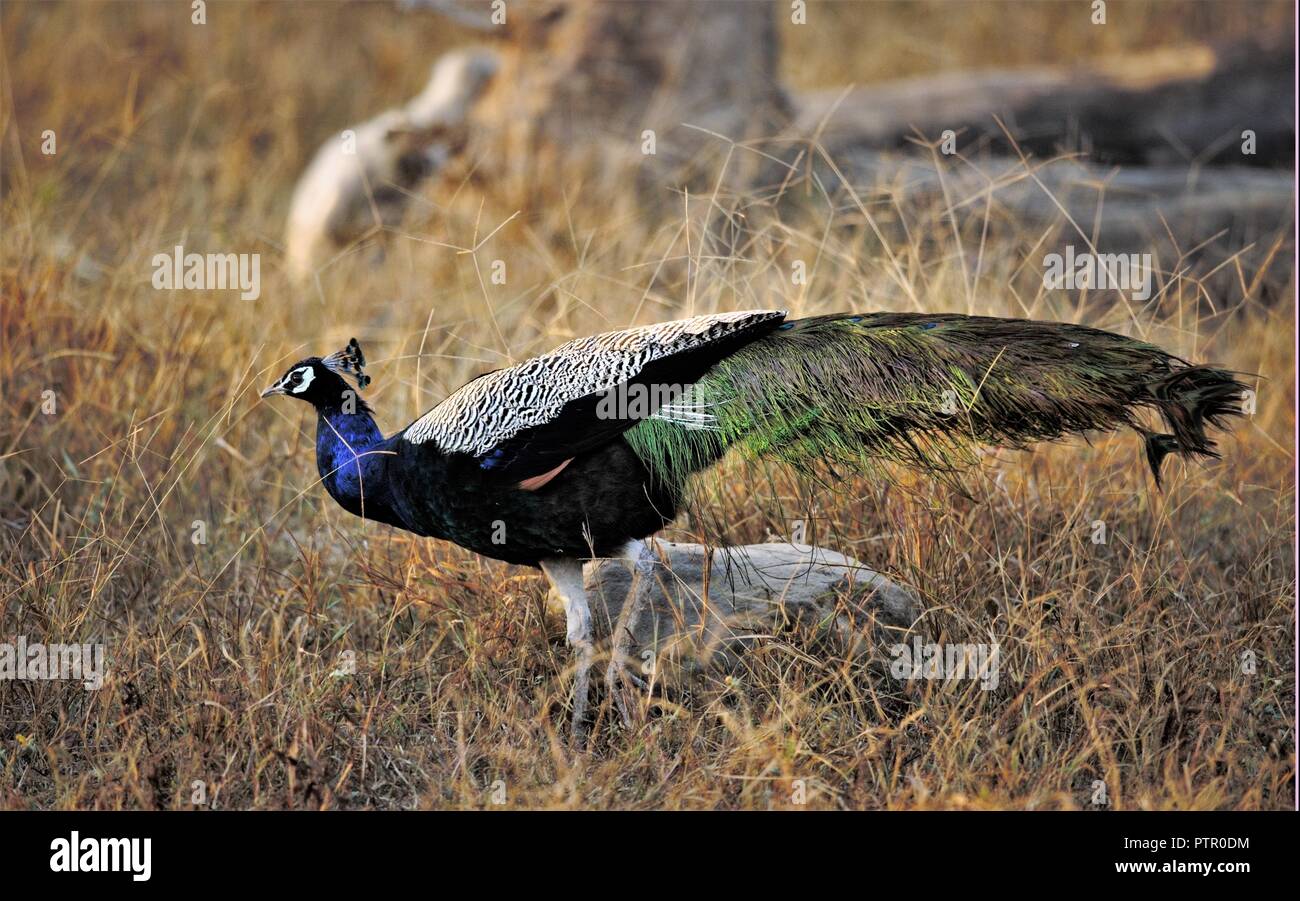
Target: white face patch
306,374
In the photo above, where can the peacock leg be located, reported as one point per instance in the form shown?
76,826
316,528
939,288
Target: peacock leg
642,559
566,578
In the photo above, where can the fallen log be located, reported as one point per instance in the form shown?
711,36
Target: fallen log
1190,220
363,178
706,610
1179,106
1132,156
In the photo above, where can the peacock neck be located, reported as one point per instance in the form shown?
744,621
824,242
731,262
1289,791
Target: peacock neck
351,460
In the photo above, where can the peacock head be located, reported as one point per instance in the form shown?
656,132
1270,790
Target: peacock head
319,380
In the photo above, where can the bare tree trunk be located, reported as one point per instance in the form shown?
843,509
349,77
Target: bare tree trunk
584,82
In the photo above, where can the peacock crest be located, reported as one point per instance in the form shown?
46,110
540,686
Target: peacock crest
349,361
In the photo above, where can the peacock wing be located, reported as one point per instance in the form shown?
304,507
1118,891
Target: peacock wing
525,422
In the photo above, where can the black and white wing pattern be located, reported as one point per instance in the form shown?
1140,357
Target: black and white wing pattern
526,419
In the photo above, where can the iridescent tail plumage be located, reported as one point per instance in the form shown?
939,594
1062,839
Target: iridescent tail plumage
927,390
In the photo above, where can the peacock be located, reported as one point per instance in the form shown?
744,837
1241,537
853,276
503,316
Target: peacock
587,450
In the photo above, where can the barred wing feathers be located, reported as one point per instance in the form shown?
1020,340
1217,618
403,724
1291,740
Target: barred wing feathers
524,420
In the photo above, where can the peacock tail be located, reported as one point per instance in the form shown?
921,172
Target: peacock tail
926,391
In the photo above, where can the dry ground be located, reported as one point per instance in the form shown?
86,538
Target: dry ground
1123,660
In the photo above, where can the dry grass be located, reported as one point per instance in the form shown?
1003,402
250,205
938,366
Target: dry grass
1122,661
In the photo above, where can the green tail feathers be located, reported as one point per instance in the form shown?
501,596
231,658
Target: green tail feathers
925,391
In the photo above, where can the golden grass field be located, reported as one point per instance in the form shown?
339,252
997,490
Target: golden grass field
1122,661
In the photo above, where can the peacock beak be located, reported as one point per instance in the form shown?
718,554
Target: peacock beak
277,388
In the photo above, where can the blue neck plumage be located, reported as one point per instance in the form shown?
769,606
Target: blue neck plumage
351,460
